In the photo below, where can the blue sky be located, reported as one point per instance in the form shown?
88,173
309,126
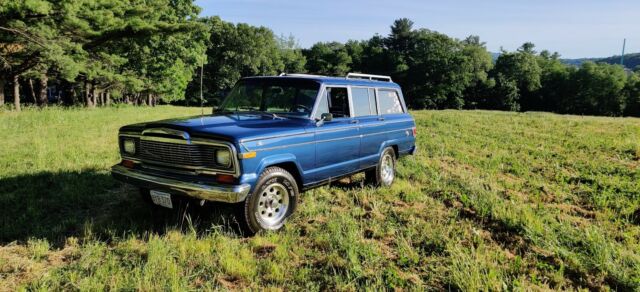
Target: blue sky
587,28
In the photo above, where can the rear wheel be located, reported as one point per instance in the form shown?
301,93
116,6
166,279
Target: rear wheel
273,200
385,171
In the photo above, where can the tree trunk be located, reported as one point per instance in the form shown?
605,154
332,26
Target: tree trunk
32,91
107,97
43,99
16,92
87,94
149,99
94,94
73,95
2,84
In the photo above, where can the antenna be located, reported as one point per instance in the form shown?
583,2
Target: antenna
624,42
201,97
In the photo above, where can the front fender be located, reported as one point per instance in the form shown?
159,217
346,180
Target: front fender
253,169
277,159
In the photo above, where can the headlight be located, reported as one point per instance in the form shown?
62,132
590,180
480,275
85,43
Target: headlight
223,157
129,146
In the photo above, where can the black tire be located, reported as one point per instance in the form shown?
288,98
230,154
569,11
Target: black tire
380,176
272,201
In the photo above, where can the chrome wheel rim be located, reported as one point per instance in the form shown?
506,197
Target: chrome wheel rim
273,203
386,169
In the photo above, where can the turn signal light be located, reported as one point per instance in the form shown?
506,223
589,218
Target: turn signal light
225,178
128,163
247,155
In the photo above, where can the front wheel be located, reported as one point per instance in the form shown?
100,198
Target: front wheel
385,171
272,201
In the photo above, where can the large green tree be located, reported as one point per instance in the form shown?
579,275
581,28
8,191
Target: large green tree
632,91
554,84
598,90
522,68
328,59
291,54
239,50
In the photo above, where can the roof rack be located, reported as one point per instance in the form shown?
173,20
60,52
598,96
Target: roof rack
299,75
369,76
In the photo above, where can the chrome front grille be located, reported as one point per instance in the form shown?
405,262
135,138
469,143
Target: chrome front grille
179,154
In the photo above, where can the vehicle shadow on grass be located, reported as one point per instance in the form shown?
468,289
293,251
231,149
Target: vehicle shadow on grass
58,205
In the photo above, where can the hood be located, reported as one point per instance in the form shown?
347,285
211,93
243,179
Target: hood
228,127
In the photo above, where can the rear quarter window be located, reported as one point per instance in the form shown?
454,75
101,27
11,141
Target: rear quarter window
389,102
363,102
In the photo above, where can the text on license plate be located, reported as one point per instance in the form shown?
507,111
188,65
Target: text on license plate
161,198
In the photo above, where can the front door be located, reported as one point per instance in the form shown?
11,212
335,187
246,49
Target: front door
337,141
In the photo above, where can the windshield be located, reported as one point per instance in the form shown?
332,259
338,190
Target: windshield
275,96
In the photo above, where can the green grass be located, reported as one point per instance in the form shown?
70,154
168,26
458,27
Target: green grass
493,201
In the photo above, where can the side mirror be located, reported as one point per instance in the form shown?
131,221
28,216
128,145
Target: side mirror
326,117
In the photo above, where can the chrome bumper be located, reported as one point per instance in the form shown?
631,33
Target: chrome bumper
210,192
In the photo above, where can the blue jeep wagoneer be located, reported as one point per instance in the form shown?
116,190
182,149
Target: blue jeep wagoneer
269,140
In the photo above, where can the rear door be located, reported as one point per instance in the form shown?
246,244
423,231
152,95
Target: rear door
372,126
338,141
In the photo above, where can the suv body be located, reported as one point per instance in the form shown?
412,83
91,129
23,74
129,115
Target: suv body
272,138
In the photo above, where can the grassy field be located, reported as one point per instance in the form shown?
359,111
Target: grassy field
493,201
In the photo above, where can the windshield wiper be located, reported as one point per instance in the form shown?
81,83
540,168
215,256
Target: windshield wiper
266,113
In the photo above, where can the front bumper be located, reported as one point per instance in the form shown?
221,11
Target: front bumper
208,191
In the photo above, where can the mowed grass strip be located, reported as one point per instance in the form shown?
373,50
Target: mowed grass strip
492,201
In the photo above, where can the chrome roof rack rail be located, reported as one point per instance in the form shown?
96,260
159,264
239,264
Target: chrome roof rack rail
369,76
299,75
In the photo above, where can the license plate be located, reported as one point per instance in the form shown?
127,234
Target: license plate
161,198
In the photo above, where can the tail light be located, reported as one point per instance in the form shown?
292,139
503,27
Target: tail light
415,132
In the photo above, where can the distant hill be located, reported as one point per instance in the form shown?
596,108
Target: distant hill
630,60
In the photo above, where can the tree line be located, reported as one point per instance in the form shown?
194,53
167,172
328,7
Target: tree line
440,72
92,52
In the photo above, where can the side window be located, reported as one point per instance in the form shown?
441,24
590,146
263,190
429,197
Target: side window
336,102
361,101
372,102
389,102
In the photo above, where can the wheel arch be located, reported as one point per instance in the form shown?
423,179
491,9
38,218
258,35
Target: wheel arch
287,162
292,168
393,146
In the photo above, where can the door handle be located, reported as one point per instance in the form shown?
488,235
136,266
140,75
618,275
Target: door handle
381,119
354,121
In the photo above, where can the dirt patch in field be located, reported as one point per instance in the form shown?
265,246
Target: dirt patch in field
19,266
574,210
264,251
